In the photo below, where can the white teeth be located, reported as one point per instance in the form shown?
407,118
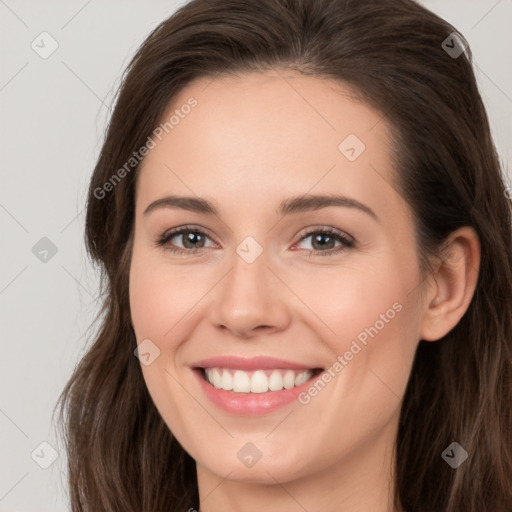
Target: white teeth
275,382
259,381
299,379
227,381
217,378
289,379
241,382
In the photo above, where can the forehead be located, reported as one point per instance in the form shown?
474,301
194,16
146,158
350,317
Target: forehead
269,135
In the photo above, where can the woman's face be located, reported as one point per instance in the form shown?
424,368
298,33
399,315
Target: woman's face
281,285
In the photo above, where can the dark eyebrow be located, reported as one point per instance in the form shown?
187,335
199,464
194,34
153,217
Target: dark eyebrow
289,206
316,202
192,204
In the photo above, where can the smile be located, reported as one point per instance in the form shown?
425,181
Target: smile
252,386
258,381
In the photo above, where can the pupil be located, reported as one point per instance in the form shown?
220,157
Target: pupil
191,238
318,237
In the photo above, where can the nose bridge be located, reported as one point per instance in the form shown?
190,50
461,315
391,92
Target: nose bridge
250,296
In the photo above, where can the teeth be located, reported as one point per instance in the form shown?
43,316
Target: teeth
275,382
241,382
259,381
217,379
227,381
289,379
299,379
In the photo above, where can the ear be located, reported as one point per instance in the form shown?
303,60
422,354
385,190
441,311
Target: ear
452,287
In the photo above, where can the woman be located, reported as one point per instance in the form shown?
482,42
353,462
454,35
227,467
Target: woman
305,239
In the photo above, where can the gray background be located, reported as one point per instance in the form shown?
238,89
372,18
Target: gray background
53,115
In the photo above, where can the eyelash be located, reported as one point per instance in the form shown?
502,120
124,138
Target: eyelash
347,242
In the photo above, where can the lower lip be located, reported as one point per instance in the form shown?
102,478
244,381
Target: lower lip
251,404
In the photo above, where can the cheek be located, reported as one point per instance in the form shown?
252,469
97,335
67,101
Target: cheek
159,295
370,323
350,302
156,307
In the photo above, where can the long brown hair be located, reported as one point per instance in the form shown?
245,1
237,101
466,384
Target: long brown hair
121,454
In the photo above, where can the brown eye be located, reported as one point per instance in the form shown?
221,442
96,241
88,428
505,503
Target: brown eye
192,239
323,241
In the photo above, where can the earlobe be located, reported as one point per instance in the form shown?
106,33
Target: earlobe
452,287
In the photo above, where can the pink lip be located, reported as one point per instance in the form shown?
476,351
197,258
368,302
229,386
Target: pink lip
248,364
249,404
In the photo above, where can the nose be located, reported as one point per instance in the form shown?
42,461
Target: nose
251,300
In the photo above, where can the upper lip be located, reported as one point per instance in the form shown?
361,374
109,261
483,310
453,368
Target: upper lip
250,363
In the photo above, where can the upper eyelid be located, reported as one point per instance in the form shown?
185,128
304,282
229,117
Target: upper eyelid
310,230
171,233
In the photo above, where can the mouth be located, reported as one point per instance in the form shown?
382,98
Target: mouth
264,380
252,386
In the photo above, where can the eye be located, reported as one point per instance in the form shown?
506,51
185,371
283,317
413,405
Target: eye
193,240
323,242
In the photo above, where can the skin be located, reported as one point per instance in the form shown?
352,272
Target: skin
252,141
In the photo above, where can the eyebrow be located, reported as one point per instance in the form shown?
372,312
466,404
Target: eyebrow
289,206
